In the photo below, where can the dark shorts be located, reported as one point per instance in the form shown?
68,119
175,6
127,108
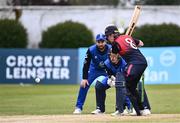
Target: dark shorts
133,73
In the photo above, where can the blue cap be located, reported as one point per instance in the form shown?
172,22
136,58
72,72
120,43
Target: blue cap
100,37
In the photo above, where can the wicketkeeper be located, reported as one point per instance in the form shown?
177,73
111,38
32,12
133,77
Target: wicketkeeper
114,66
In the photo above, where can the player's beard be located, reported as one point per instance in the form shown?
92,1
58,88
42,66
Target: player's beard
101,48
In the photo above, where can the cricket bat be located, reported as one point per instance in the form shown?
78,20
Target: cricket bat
134,20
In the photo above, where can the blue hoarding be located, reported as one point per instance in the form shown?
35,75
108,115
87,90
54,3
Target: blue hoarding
51,66
64,66
163,64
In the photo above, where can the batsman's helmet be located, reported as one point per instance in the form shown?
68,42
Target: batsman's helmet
112,29
100,37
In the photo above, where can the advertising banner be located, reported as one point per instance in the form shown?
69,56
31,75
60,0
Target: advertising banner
64,66
163,64
47,66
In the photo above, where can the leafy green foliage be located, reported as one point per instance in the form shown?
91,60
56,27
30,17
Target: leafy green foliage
12,34
67,35
158,35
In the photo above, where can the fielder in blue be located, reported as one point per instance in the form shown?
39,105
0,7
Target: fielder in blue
92,68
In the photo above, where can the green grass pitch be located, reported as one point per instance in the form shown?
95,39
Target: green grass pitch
61,99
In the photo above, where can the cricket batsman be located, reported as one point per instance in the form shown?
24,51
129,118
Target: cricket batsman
127,47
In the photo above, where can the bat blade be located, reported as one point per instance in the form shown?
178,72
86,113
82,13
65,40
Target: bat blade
134,20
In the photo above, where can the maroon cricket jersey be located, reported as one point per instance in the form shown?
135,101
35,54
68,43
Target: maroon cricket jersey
129,50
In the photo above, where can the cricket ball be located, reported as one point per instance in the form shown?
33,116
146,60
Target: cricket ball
37,80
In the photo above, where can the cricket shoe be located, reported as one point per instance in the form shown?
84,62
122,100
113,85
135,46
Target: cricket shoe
97,111
145,112
132,112
117,113
126,112
77,111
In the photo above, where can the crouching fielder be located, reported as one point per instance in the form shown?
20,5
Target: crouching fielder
115,66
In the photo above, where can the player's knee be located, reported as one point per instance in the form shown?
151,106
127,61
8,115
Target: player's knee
99,86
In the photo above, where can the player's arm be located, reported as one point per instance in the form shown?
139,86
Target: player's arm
111,78
109,72
108,69
139,43
86,65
